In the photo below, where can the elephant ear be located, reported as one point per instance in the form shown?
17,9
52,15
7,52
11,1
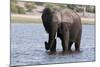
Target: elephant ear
46,18
47,14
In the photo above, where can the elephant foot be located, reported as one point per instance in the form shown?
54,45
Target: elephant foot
69,50
78,51
46,46
52,53
63,52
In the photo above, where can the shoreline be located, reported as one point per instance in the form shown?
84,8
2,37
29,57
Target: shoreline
20,18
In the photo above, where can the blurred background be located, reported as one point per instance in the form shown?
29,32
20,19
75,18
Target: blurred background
31,11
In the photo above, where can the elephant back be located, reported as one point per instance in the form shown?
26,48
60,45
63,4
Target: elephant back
66,17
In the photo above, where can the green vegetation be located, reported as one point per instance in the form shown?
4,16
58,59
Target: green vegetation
13,6
29,6
16,7
71,6
23,7
90,9
53,5
20,10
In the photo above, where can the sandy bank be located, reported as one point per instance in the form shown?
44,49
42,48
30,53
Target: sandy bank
37,18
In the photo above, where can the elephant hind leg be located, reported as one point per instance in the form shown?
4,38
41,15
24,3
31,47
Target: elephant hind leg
69,45
77,43
77,46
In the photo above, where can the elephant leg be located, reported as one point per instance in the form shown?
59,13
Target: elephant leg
51,45
53,48
64,32
77,43
46,45
64,45
69,45
65,40
77,46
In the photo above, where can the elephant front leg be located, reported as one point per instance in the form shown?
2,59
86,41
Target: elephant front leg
46,45
51,45
53,48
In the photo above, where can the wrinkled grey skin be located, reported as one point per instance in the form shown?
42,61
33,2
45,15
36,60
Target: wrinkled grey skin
66,24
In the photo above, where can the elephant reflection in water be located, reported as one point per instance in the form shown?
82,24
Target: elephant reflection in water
62,23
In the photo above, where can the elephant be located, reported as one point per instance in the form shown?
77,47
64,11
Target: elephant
65,24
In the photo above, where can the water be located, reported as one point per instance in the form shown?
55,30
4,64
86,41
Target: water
27,46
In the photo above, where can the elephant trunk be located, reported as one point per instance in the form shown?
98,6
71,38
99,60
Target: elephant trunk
52,38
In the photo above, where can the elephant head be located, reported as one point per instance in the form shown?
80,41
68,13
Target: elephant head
50,22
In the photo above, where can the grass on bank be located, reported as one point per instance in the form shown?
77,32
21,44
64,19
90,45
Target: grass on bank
37,20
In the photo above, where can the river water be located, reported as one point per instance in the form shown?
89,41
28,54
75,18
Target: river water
27,46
